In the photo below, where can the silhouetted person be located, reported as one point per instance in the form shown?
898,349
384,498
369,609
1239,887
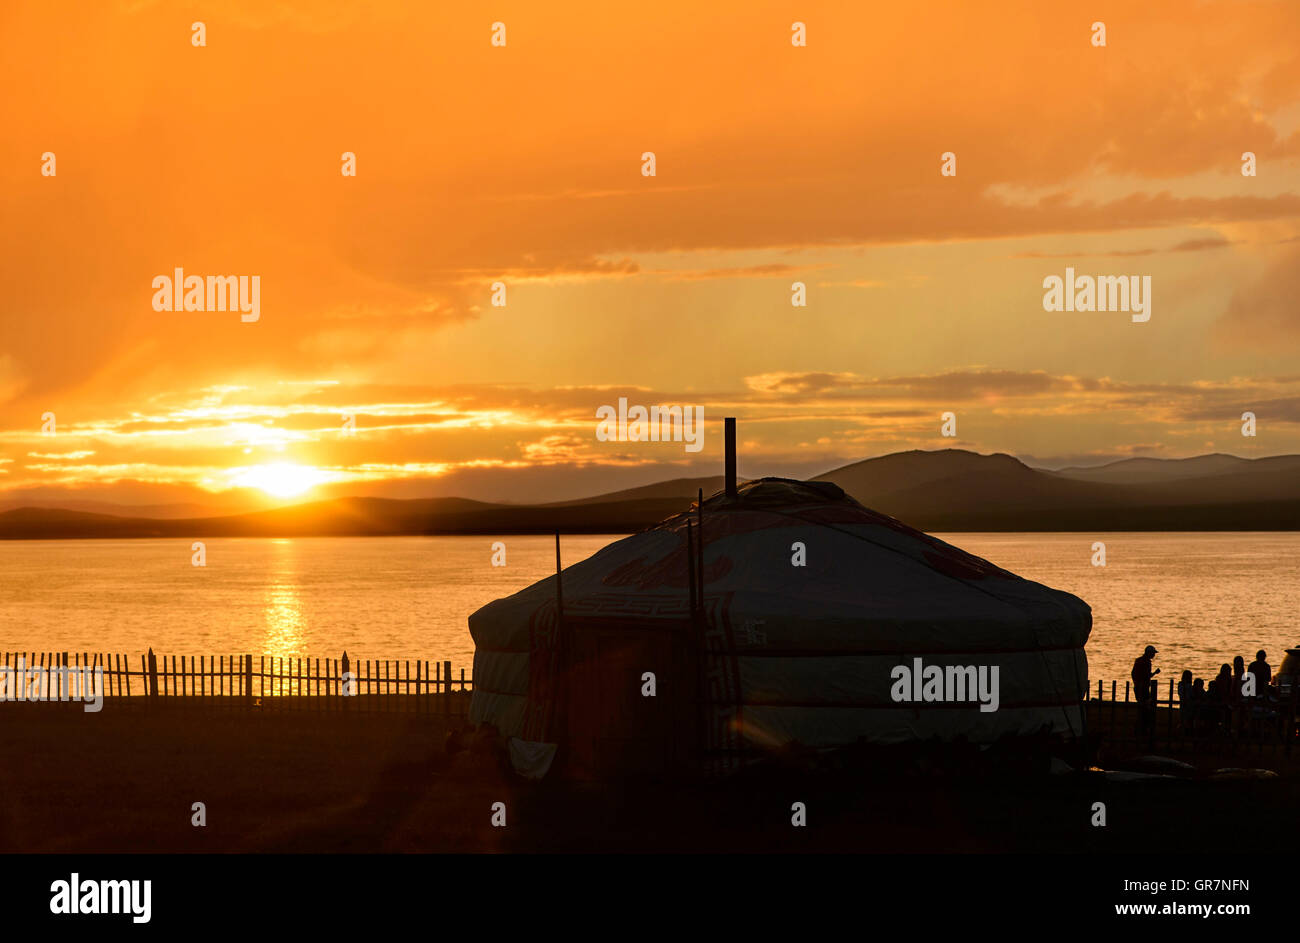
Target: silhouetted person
1262,671
1142,675
1238,676
1258,708
1219,694
1187,702
1221,686
1199,699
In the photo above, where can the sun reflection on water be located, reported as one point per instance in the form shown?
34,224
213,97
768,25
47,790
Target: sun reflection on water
282,608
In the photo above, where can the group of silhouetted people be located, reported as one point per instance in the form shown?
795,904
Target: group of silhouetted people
1230,703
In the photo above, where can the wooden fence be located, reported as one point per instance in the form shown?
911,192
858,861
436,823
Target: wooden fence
265,681
1234,727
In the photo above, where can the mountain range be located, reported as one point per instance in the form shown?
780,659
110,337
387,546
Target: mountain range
946,490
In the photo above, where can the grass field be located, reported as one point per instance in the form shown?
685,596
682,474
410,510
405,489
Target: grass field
125,779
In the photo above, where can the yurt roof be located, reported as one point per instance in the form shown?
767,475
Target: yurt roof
870,583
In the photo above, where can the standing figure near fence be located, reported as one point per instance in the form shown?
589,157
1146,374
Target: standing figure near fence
1199,700
1142,675
1220,697
1261,708
1238,703
1262,671
1187,703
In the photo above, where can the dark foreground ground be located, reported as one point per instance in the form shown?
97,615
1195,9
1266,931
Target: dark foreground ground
124,780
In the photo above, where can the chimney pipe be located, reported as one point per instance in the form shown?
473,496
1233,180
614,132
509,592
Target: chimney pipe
730,424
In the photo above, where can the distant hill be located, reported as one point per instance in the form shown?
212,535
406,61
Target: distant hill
957,490
1137,471
351,517
947,490
906,473
675,488
120,510
96,500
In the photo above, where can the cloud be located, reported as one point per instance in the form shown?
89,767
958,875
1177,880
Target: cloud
801,382
536,176
1187,245
953,385
406,434
769,270
12,378
1265,313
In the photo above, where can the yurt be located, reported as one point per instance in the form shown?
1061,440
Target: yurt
775,613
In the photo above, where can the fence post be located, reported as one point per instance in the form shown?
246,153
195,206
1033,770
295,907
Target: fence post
446,682
1169,727
153,674
248,678
1155,700
343,678
1291,714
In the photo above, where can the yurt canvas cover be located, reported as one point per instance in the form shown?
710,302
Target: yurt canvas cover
775,653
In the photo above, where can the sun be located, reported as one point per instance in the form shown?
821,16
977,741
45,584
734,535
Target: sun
279,479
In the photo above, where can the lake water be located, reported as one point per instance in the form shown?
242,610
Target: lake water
1198,597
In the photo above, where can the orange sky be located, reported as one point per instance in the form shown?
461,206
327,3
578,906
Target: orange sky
522,164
